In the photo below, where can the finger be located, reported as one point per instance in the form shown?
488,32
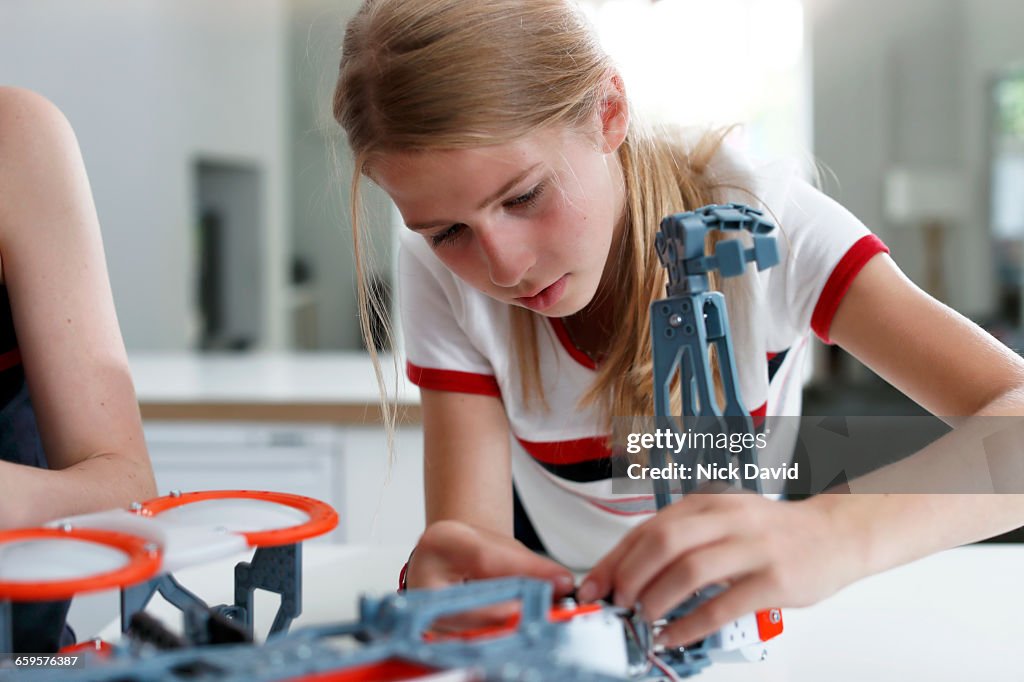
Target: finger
746,596
704,566
516,560
598,583
455,553
660,545
601,579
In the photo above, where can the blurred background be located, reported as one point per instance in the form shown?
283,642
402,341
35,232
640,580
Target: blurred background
206,131
221,184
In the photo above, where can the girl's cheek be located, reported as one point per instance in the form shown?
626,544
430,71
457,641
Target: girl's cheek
448,258
566,219
462,261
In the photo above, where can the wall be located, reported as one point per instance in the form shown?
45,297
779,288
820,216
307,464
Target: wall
993,30
906,84
322,173
150,86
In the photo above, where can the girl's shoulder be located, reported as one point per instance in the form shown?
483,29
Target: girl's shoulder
736,174
765,184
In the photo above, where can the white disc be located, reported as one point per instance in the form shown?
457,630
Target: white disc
237,515
51,560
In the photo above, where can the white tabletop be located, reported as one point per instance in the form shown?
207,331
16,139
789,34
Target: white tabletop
346,378
954,616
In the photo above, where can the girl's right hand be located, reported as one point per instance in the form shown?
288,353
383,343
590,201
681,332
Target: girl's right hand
452,552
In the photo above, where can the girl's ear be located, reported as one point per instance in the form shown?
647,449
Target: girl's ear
614,113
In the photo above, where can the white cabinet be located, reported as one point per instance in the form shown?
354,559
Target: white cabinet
345,466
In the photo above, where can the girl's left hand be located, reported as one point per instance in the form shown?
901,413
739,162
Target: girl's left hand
766,553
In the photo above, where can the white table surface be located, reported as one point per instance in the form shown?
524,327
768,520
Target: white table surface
268,377
955,616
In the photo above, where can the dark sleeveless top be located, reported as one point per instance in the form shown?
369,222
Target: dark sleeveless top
38,627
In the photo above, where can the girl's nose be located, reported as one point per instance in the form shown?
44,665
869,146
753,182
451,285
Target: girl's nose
508,254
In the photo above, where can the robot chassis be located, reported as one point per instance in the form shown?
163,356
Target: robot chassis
392,639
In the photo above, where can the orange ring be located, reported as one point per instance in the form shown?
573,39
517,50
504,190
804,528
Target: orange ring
144,562
322,517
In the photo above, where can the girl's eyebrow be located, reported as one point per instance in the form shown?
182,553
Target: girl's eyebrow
489,200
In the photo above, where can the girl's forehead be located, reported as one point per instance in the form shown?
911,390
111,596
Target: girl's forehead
425,182
476,158
543,146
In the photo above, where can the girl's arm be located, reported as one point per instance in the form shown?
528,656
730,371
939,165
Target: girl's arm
953,368
468,482
795,554
52,262
467,469
937,357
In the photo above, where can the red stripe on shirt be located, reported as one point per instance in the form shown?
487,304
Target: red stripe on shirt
568,451
451,380
839,282
594,448
621,512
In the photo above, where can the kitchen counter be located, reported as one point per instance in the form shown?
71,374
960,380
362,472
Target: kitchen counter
337,388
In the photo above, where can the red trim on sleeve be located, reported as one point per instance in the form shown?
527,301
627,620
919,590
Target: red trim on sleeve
839,282
568,451
563,336
452,380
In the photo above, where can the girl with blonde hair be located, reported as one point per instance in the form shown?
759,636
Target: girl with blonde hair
502,132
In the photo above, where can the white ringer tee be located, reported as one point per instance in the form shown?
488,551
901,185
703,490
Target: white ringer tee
458,339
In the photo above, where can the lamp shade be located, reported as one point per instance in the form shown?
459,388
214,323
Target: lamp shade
914,195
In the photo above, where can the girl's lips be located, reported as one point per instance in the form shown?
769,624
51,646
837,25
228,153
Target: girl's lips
547,297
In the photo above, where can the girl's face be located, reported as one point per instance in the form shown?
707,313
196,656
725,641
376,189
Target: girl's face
529,223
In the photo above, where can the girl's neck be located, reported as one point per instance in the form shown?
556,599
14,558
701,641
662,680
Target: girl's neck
590,329
590,332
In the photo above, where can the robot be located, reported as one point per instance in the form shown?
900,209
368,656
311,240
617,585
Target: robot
393,638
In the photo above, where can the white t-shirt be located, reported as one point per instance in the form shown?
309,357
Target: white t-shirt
458,339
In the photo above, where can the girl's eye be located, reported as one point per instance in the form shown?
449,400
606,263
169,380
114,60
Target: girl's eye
449,236
452,234
526,200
